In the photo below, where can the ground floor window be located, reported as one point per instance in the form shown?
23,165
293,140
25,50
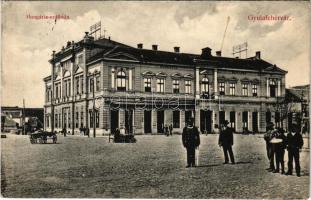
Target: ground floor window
77,120
97,119
56,120
176,119
91,119
81,119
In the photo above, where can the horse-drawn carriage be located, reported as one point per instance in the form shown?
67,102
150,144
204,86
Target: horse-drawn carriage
42,137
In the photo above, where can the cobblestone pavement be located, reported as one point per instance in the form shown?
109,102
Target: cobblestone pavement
154,167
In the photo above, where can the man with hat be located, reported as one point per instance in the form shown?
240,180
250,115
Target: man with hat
294,144
226,141
268,136
191,141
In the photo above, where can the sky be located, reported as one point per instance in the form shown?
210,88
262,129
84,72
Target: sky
27,44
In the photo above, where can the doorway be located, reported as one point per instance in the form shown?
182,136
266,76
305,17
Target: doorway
128,121
147,121
114,120
160,121
206,121
255,122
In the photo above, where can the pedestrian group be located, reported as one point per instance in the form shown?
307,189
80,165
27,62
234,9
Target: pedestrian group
276,143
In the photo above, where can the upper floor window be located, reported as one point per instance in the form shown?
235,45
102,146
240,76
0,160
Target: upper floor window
121,78
160,85
175,86
91,84
272,87
204,85
244,89
254,90
82,84
187,86
232,89
77,79
147,84
97,80
222,88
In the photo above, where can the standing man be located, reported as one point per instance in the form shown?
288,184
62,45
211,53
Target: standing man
279,149
191,141
171,129
269,146
226,141
294,144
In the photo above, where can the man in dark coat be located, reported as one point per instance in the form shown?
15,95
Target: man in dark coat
294,144
268,136
226,141
191,141
279,149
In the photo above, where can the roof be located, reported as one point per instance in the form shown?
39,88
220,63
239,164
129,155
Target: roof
104,48
165,57
96,46
145,55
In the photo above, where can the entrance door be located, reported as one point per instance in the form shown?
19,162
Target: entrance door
188,115
160,121
128,121
147,121
206,121
255,122
114,120
222,117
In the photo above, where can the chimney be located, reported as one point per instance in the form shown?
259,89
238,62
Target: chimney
176,49
139,46
154,47
88,38
206,52
218,53
257,55
109,38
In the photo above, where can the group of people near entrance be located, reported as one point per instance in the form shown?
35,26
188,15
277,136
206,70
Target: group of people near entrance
168,130
191,141
277,142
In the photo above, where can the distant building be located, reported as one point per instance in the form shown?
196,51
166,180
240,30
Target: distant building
12,117
298,99
140,90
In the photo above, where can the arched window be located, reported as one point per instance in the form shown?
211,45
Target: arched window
205,85
272,86
121,78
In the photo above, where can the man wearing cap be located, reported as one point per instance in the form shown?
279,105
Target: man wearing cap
269,146
294,144
226,141
191,141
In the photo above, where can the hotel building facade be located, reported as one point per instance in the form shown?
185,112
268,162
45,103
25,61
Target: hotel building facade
103,85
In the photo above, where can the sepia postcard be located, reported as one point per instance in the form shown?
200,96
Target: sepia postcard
155,99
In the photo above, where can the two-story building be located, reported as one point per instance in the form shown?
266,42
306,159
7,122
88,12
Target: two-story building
103,85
